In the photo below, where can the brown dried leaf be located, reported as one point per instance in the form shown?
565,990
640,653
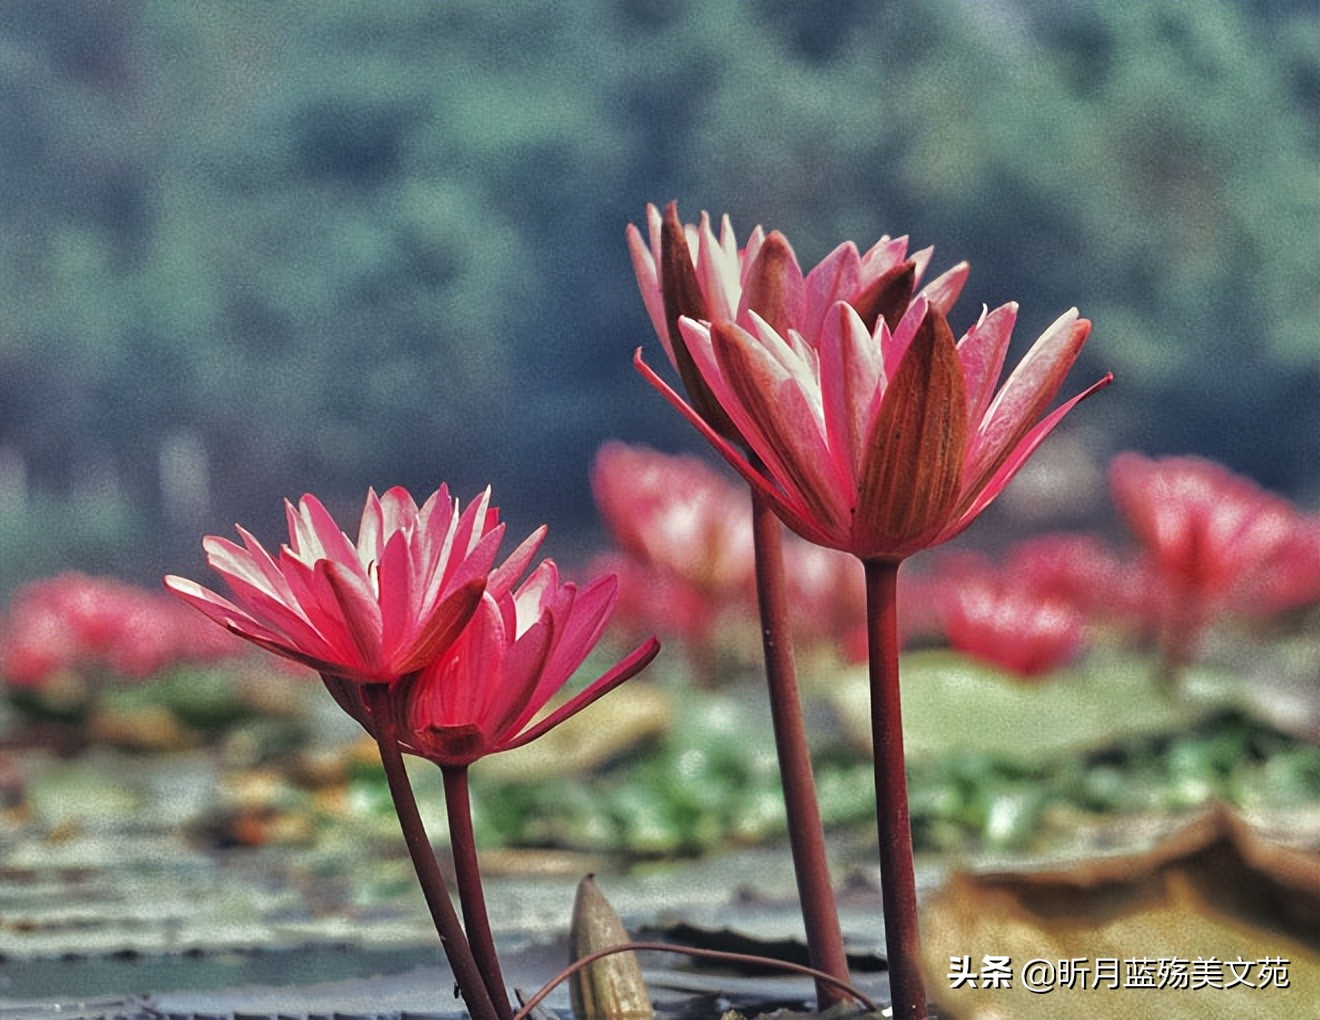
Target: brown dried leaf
1214,890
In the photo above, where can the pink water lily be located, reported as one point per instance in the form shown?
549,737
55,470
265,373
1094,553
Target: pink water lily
684,270
873,440
370,611
521,647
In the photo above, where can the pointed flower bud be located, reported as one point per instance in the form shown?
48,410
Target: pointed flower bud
611,988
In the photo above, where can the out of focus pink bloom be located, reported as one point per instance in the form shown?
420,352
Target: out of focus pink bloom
1000,618
685,534
374,610
827,591
676,515
103,626
1214,543
484,694
650,601
1083,572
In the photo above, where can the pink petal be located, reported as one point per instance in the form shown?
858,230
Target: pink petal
332,540
1029,390
884,255
254,566
785,504
644,263
981,353
356,606
908,481
504,577
218,608
772,287
399,602
793,446
629,667
977,500
521,680
835,278
850,375
894,343
445,622
943,291
718,270
290,622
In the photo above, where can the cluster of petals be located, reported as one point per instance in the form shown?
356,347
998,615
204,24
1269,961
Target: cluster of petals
470,653
370,611
486,692
849,403
881,444
684,270
77,623
1214,542
1002,618
677,516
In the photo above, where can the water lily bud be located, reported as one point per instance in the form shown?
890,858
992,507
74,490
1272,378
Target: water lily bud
611,988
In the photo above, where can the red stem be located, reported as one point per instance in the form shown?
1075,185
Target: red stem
463,844
806,835
447,926
898,884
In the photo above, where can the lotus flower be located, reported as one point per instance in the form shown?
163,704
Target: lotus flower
875,441
372,611
483,695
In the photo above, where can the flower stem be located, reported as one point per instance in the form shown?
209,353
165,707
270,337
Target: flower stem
820,914
447,926
846,991
898,884
463,843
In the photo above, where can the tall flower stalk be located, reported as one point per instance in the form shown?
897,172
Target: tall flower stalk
844,400
471,976
899,887
471,895
806,833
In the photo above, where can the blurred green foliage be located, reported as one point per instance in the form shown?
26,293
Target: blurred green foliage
249,249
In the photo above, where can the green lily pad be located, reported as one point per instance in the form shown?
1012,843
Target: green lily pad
951,703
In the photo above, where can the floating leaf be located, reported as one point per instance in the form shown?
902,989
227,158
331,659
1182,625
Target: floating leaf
952,703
